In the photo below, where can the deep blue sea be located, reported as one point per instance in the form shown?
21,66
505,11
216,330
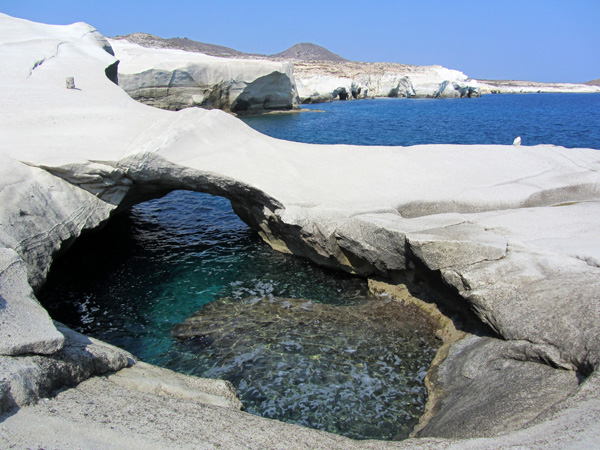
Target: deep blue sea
568,120
151,268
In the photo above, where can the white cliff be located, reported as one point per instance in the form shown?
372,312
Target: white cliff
532,87
160,75
176,79
509,230
325,81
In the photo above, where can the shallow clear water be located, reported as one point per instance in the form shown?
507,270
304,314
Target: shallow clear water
150,269
153,267
353,369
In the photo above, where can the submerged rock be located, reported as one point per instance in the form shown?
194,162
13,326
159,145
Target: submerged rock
355,370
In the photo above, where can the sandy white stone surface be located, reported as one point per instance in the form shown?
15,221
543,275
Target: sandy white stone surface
510,229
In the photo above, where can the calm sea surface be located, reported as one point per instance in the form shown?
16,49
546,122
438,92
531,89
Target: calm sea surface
568,120
156,265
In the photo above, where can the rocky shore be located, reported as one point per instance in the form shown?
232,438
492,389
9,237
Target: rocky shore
531,87
321,81
175,74
507,233
175,79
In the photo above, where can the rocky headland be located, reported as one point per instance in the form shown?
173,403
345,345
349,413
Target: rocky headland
322,81
532,87
176,79
174,74
307,73
505,233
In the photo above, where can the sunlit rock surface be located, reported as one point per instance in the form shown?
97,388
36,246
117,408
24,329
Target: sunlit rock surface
510,229
532,87
175,79
323,81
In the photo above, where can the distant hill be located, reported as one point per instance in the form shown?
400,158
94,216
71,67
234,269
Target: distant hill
302,52
151,41
593,82
308,52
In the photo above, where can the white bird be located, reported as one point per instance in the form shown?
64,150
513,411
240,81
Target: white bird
517,141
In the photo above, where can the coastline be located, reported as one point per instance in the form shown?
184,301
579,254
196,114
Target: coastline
364,210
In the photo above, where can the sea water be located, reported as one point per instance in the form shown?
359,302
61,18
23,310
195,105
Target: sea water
568,120
152,268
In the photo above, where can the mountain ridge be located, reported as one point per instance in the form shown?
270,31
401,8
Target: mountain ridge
305,51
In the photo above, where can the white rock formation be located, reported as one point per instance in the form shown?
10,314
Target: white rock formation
175,79
510,229
532,87
323,81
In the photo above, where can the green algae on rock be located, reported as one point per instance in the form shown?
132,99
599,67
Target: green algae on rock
355,370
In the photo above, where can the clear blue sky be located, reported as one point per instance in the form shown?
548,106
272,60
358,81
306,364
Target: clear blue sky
538,40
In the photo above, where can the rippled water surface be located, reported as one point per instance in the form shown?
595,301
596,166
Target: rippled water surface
157,265
152,268
569,120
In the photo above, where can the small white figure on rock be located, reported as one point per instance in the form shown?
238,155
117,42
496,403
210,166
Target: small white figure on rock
517,141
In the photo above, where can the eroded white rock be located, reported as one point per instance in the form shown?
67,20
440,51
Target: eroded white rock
533,87
25,326
321,81
175,79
